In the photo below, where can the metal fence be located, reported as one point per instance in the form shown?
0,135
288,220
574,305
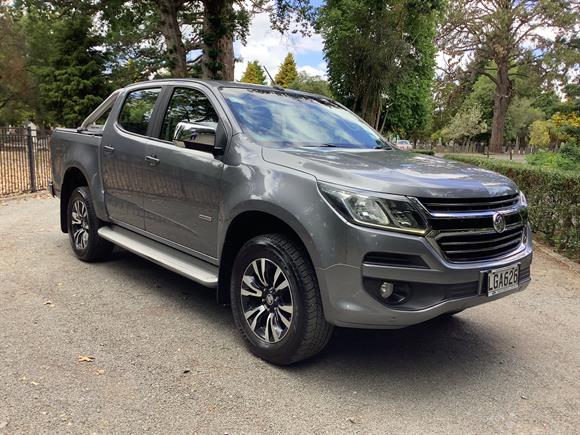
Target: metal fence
24,160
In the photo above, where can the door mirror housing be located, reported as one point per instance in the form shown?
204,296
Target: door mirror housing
201,137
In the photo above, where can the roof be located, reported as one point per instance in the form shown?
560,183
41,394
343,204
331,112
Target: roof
228,84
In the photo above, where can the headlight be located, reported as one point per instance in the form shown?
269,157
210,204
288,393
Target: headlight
391,212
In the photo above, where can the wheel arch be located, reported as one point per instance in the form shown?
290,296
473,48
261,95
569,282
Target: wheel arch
73,177
243,227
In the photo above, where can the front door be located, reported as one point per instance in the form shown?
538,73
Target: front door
182,181
123,157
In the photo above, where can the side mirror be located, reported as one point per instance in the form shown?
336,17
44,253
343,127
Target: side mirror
201,137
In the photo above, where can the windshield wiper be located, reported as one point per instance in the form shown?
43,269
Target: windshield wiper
383,146
322,145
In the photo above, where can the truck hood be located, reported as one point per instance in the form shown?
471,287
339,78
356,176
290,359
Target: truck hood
393,171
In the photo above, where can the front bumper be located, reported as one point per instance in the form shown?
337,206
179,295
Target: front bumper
438,287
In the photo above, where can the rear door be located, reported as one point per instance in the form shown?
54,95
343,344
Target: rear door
123,156
182,181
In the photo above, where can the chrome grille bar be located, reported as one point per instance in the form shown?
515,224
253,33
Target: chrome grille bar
469,204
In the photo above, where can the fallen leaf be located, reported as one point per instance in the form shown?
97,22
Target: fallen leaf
34,383
186,371
48,303
524,397
352,420
86,358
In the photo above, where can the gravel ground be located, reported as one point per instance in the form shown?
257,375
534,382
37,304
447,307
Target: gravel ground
167,359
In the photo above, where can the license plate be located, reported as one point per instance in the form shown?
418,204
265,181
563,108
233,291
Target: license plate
503,280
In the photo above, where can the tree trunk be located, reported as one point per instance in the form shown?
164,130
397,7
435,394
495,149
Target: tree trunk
218,42
173,38
501,101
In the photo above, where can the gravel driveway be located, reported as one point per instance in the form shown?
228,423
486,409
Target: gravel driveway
167,359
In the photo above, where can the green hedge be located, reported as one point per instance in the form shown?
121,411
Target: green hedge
427,152
553,199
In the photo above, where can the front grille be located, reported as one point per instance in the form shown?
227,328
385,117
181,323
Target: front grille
481,245
463,205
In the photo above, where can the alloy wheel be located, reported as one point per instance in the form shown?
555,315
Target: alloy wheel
266,300
80,224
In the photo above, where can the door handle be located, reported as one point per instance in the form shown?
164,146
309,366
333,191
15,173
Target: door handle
152,160
108,148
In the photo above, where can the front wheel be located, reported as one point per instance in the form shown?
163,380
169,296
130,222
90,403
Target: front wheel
276,302
83,225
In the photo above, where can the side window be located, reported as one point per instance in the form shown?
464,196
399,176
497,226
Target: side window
137,110
187,105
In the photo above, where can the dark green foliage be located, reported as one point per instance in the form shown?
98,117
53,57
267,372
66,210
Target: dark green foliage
553,197
380,58
72,82
568,158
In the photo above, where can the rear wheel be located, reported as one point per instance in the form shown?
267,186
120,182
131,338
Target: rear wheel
83,226
276,302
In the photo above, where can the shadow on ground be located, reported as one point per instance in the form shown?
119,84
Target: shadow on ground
445,353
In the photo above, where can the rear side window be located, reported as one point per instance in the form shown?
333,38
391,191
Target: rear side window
137,110
187,105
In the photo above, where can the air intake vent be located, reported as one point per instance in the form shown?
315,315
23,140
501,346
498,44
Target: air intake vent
394,259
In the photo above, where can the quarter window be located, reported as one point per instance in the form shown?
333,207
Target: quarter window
187,105
137,110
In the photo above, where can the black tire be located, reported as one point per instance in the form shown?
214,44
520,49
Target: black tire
308,332
94,248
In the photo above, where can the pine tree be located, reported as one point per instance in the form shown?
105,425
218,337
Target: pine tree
287,72
254,74
72,81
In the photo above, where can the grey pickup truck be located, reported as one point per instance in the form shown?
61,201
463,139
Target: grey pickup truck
297,213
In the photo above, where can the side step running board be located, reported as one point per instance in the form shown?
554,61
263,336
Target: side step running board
172,259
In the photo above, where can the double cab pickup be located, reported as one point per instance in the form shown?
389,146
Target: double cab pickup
298,213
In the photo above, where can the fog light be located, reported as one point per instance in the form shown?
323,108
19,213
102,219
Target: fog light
386,289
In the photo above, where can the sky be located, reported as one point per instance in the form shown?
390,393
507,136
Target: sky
270,48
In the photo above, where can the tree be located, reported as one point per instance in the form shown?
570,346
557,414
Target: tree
287,72
521,114
311,84
154,35
172,30
372,46
254,74
71,81
507,32
14,77
407,101
466,124
540,134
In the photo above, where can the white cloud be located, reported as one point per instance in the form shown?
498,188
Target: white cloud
269,47
312,71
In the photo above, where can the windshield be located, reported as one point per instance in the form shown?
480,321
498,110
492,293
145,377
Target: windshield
286,120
